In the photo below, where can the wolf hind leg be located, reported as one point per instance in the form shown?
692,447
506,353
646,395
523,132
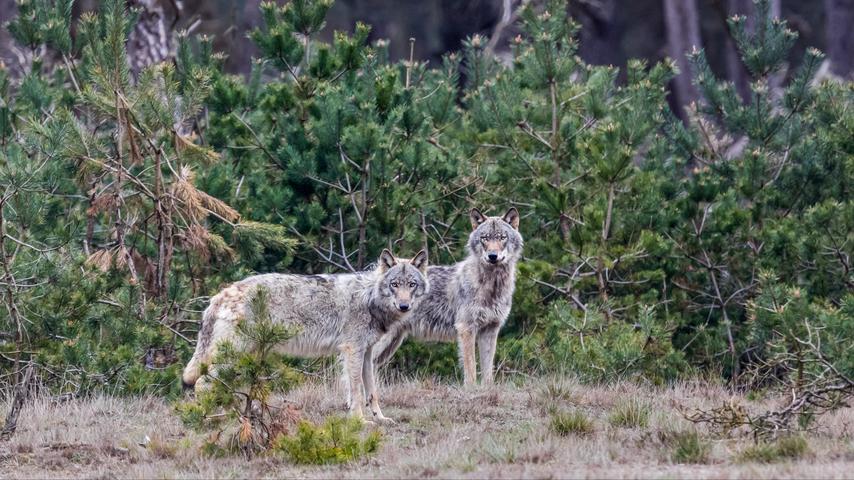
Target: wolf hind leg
354,359
345,381
487,340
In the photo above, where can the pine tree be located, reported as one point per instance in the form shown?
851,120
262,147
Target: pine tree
344,147
762,169
103,216
237,405
564,140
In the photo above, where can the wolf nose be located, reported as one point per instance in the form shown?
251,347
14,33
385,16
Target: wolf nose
403,307
493,257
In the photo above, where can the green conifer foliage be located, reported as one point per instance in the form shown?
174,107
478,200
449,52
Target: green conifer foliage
345,148
652,244
109,242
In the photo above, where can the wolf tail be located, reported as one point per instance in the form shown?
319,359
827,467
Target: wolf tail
388,344
193,370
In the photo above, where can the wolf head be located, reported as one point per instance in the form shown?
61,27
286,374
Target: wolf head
495,240
402,282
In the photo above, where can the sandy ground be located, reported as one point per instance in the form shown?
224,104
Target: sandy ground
442,431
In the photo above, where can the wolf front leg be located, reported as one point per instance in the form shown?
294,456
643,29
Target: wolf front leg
466,341
353,360
369,378
486,343
345,381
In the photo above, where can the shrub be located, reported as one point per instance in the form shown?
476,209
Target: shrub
790,447
551,397
573,422
688,447
586,344
338,440
630,413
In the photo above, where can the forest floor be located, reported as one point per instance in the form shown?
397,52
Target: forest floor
442,430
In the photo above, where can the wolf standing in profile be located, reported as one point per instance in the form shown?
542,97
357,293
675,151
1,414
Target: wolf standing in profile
469,301
343,313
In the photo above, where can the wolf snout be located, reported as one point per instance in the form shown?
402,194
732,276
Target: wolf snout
403,307
492,257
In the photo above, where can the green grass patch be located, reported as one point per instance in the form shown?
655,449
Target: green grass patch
688,447
630,414
574,422
338,440
786,448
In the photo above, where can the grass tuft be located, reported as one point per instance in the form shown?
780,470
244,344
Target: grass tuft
786,448
565,423
688,447
630,414
337,440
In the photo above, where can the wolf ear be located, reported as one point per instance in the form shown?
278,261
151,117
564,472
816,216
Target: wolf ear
476,218
419,261
512,217
387,260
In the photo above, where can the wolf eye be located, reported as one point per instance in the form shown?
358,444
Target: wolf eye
483,238
412,284
503,237
394,284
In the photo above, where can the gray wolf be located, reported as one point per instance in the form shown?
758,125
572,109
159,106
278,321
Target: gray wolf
339,313
468,302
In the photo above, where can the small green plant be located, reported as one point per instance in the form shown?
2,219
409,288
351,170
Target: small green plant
791,447
630,414
573,422
794,446
688,447
556,391
552,396
338,440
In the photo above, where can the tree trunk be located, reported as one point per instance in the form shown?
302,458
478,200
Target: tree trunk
8,11
599,41
840,40
149,42
22,391
683,36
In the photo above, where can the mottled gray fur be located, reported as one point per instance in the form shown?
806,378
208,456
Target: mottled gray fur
343,313
468,302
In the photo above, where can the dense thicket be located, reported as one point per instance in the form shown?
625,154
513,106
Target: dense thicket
654,247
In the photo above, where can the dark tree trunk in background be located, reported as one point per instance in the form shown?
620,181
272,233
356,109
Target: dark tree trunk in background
438,26
228,22
600,33
150,40
8,10
683,35
840,39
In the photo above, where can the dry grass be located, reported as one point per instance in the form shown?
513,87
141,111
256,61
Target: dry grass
442,431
